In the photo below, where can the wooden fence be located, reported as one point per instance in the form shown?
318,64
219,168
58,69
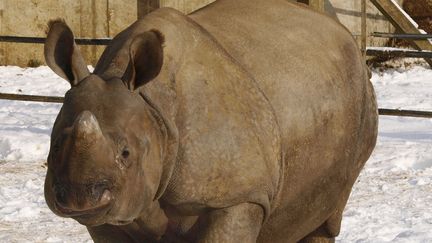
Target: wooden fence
58,99
317,4
408,29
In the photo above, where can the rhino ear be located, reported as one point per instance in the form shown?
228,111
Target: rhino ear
145,59
62,55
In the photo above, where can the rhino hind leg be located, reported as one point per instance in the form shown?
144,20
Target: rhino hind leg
327,232
320,235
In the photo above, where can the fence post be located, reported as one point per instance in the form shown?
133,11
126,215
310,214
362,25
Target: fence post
146,6
317,5
363,28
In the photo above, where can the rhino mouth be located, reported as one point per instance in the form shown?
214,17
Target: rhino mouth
92,207
89,217
88,212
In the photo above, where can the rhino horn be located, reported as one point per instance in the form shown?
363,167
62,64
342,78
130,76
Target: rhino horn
87,127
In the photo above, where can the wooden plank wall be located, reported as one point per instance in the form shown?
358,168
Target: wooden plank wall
105,18
87,18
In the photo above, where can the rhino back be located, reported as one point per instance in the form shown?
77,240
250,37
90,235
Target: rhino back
310,69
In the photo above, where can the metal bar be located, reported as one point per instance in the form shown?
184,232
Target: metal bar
403,36
35,98
398,53
41,40
57,99
407,113
96,42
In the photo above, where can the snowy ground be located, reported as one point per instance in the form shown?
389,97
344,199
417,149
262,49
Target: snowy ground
391,202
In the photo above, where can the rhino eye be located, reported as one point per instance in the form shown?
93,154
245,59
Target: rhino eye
125,153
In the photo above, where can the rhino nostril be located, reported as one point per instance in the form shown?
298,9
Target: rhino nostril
101,193
106,197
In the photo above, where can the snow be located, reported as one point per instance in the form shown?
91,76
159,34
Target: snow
25,129
392,199
390,202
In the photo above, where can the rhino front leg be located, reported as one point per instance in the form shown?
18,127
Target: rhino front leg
240,223
112,234
109,234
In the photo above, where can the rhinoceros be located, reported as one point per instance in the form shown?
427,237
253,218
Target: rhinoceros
245,121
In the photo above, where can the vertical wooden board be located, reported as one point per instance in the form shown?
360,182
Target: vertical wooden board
185,6
349,14
93,24
317,5
2,45
64,9
121,15
193,5
177,4
363,28
100,18
146,6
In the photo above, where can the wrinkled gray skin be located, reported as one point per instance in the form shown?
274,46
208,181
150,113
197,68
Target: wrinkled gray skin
246,121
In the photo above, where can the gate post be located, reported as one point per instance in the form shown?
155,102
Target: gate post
363,28
317,5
